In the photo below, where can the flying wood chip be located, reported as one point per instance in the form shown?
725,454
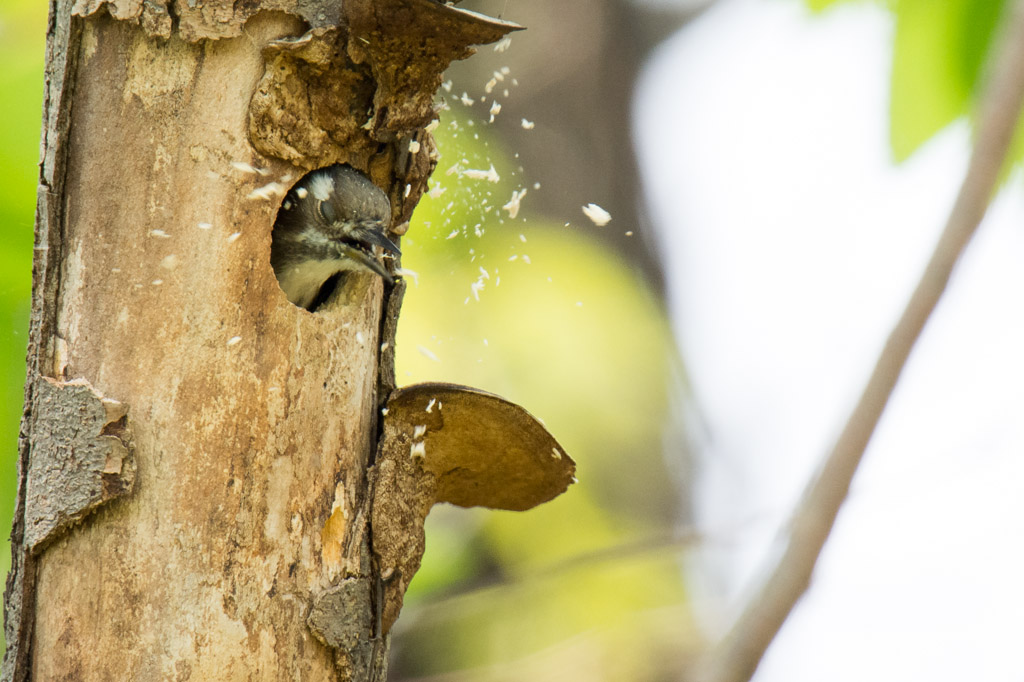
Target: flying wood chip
450,443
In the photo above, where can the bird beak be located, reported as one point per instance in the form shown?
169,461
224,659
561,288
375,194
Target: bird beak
368,260
359,245
371,238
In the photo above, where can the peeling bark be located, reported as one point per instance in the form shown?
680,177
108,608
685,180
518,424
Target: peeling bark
82,448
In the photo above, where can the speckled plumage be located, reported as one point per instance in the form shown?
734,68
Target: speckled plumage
331,221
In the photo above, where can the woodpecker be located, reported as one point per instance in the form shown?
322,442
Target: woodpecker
334,220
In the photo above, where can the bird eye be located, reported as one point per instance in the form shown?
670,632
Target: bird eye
327,211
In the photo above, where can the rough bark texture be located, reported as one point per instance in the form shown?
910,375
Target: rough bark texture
250,416
252,421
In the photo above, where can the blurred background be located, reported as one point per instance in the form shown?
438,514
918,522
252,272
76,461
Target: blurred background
776,172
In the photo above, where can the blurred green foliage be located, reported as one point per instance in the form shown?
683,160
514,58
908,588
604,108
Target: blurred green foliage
542,314
22,35
940,49
538,312
938,55
820,5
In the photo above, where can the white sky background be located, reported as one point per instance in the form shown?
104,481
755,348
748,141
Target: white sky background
791,244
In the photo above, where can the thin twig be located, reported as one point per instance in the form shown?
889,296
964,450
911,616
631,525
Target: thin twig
736,658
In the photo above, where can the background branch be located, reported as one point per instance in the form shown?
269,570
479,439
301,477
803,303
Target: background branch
740,652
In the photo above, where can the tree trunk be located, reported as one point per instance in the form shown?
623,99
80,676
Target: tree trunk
193,490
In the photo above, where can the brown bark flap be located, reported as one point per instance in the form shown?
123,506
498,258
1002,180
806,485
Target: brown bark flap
481,450
409,44
81,456
450,443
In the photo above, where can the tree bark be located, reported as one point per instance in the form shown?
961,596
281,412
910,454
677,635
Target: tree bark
193,492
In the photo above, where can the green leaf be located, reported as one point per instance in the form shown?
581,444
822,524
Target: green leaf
820,5
938,53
